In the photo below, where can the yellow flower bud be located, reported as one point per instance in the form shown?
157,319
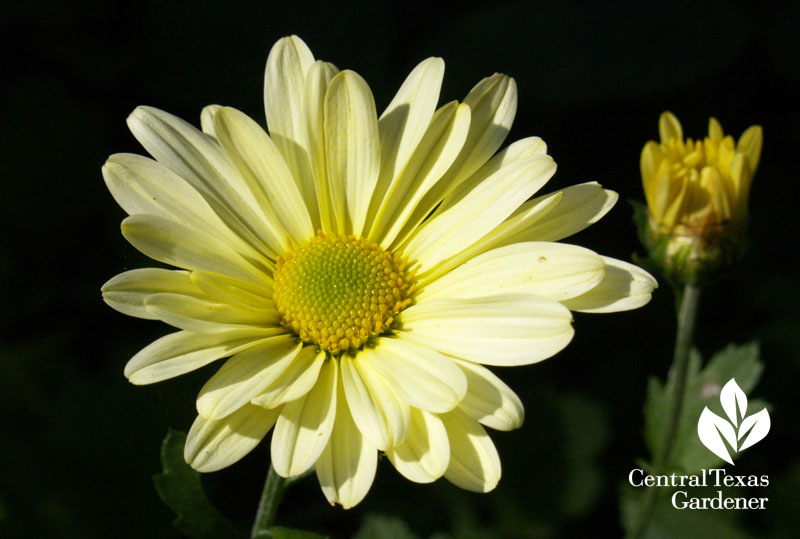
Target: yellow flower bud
697,195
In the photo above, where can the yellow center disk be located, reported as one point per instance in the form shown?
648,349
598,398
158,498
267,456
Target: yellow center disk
338,291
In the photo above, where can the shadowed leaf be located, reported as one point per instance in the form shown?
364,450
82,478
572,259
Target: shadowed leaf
179,487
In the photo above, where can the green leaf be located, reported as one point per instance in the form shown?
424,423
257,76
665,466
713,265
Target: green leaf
279,532
179,487
688,454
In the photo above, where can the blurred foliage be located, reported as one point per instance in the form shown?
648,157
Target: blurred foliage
179,487
379,526
80,443
279,532
668,522
688,454
782,510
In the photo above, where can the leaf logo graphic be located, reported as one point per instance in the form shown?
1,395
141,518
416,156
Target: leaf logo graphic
714,430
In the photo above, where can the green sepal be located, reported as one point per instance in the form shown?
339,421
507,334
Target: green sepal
688,454
698,259
179,487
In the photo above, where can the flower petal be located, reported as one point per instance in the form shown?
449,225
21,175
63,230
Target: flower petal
750,144
579,206
317,80
207,316
352,147
346,468
669,127
178,245
474,462
741,178
718,191
381,416
550,270
489,400
484,208
512,329
399,213
213,444
404,122
421,376
184,351
521,149
200,160
245,375
624,287
127,291
288,64
425,454
266,173
715,132
207,119
304,426
493,104
233,291
649,162
407,117
295,381
529,213
143,186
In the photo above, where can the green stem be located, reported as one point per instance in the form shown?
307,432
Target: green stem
687,314
274,490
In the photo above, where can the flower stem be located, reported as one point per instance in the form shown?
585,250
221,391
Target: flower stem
274,490
687,314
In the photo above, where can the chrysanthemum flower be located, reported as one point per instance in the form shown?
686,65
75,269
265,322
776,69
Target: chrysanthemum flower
697,196
358,271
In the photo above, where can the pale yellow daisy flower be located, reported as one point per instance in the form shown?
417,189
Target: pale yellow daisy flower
357,270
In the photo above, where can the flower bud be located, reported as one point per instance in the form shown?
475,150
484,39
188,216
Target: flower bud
697,198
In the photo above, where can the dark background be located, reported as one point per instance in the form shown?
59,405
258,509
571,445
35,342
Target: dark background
79,443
